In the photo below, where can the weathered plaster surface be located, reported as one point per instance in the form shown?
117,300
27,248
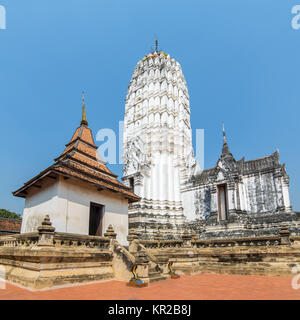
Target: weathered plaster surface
67,202
158,152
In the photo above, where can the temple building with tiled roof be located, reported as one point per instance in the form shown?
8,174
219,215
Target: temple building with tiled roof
79,193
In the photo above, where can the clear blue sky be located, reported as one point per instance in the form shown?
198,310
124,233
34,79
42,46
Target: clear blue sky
240,60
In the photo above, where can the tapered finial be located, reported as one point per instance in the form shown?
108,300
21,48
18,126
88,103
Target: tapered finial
83,120
156,45
225,149
224,134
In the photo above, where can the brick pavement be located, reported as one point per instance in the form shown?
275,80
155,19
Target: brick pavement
197,287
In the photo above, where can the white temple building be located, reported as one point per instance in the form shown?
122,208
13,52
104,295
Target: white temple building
160,166
164,190
78,192
158,153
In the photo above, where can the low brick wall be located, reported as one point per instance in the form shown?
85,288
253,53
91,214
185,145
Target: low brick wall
10,226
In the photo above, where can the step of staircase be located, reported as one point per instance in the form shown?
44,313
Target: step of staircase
155,275
153,278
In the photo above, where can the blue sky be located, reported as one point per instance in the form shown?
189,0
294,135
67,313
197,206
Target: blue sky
240,60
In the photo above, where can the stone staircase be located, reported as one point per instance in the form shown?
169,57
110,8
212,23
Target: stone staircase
148,268
156,274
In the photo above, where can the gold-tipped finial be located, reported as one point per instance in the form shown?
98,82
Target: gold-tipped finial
83,121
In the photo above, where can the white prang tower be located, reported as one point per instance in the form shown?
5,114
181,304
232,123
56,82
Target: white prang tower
158,154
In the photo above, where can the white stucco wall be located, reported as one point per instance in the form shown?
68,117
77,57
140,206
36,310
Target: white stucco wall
38,203
68,204
188,202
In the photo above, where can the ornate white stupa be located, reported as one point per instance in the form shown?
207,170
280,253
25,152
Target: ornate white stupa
158,154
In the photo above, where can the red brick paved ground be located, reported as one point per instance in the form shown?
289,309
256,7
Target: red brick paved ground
202,286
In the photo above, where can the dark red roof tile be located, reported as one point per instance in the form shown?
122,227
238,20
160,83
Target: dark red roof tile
81,161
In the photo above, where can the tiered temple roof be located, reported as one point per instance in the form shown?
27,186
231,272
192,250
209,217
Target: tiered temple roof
240,167
81,161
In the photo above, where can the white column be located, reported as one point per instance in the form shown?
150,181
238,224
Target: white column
231,202
153,180
163,176
146,185
156,179
286,193
242,196
171,178
246,199
213,200
176,184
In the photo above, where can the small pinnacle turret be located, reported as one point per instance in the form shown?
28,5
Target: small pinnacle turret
225,149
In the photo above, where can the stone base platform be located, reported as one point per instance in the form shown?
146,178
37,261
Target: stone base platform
48,259
39,268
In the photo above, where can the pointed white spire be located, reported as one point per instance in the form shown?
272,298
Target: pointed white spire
224,134
166,161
